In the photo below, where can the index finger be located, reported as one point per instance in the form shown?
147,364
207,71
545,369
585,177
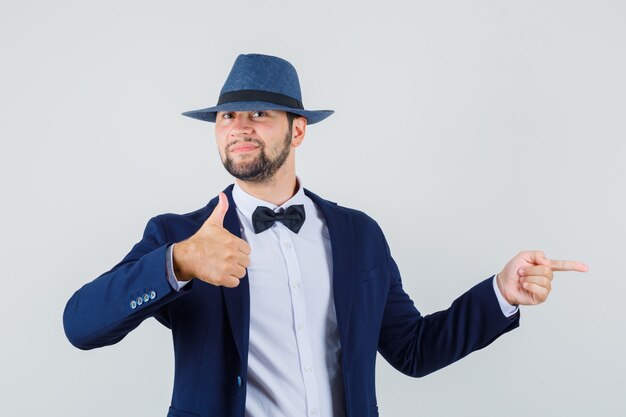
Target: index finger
568,266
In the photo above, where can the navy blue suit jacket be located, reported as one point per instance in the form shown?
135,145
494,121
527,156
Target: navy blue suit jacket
210,325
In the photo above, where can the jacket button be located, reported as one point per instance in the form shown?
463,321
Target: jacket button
152,295
139,301
133,304
146,298
238,381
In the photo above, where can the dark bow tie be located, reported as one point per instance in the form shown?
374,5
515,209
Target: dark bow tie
264,217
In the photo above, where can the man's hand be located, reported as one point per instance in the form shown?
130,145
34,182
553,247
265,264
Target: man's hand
527,278
212,254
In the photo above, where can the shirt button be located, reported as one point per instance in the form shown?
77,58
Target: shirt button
307,368
295,285
300,327
287,245
314,411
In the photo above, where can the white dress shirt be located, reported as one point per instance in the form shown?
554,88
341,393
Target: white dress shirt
294,354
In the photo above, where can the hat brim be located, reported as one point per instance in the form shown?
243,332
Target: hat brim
208,114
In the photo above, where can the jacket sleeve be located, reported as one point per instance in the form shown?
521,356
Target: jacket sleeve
417,345
106,309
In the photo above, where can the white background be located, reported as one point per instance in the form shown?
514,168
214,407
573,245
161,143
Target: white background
470,130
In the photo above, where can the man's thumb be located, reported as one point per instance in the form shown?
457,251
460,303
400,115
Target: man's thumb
217,217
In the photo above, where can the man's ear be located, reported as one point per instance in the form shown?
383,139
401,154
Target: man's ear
298,131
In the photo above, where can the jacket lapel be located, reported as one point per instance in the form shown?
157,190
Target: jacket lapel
339,225
237,299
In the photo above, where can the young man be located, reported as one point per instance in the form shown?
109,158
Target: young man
278,300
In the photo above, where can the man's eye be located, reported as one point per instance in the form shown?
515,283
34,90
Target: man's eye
259,113
227,116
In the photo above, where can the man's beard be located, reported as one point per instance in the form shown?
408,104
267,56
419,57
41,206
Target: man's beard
262,168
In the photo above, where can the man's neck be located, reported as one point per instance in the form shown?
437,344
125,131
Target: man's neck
276,191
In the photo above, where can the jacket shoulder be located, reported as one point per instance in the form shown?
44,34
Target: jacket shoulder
361,221
179,226
198,215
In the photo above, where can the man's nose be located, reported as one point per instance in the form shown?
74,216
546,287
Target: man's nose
240,125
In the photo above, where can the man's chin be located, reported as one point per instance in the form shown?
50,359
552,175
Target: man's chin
243,172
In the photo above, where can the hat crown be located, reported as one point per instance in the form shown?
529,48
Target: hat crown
263,73
260,82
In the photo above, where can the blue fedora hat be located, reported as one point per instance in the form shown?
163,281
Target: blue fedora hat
260,82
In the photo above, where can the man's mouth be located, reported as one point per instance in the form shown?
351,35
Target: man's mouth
241,149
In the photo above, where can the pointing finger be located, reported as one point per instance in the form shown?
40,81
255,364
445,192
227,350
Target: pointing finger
568,266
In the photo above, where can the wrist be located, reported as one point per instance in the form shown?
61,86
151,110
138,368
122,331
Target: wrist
180,261
501,288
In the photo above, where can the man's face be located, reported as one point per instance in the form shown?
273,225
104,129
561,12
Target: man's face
253,145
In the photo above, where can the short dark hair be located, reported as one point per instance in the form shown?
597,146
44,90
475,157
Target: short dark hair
290,118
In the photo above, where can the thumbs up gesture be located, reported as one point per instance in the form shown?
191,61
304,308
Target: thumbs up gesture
212,254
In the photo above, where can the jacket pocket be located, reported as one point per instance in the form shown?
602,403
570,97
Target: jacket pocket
178,413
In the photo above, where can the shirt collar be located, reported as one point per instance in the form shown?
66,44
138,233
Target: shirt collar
246,203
